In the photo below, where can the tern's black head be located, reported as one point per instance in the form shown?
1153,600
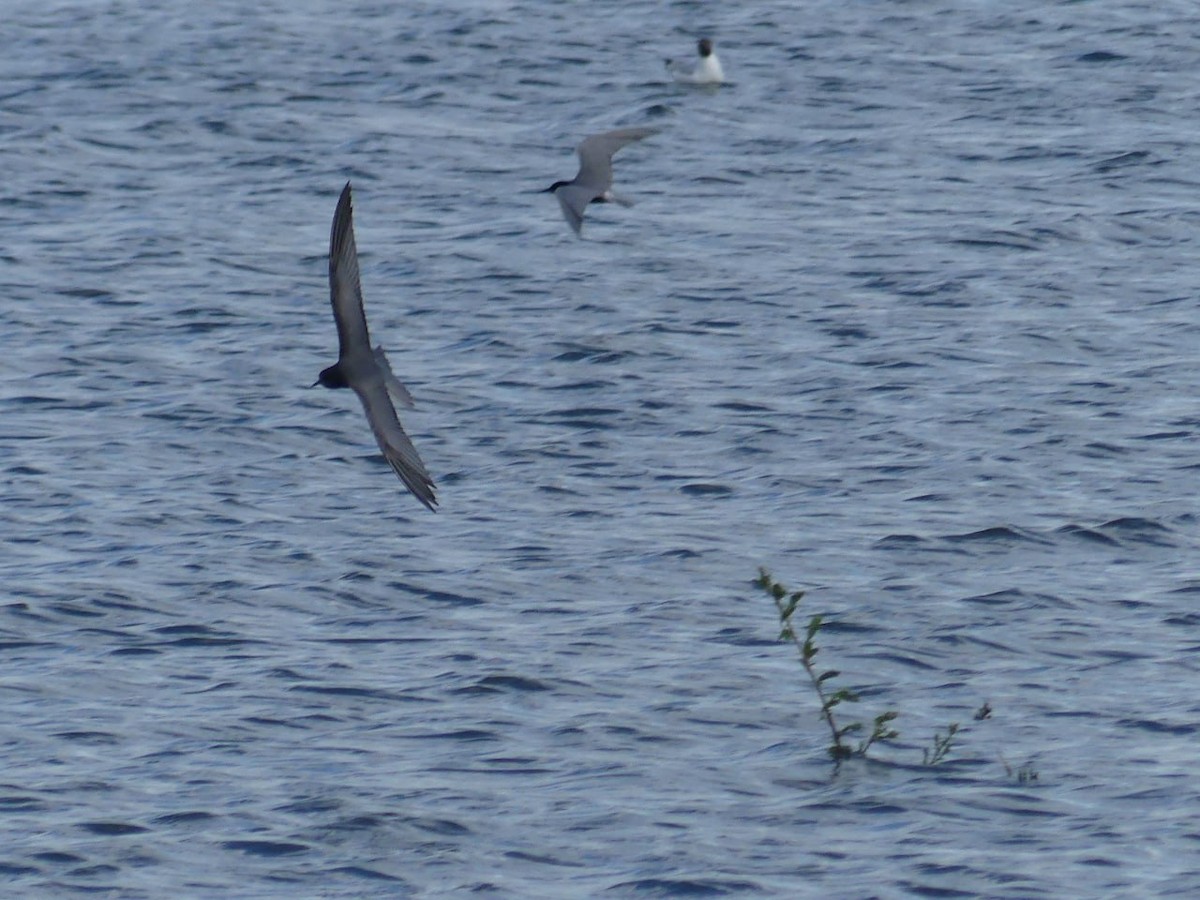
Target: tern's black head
705,46
554,187
332,377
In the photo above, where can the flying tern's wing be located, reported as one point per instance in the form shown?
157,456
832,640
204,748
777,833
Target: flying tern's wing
397,449
344,289
574,200
596,153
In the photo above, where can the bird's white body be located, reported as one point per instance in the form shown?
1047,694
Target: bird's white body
707,70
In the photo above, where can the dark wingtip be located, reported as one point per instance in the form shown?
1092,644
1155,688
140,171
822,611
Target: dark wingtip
342,223
427,496
418,482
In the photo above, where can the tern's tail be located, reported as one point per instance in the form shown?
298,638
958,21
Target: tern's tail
398,391
613,198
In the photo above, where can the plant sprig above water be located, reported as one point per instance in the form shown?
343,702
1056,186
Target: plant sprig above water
1024,774
941,745
787,603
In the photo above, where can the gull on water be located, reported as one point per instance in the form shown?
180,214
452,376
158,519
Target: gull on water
363,369
707,71
593,184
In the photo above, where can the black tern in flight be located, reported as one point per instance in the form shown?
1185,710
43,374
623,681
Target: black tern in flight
707,71
364,369
593,184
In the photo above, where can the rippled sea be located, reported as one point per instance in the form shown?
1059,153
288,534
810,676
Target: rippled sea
906,313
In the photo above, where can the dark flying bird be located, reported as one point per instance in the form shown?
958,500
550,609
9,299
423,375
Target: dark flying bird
593,184
364,369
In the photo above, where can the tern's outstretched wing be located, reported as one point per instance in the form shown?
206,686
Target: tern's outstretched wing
397,449
345,292
574,200
596,153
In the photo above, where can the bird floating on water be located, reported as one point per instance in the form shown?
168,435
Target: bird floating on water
593,184
363,369
707,71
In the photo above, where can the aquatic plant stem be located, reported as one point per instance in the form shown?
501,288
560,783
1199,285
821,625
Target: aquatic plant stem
786,604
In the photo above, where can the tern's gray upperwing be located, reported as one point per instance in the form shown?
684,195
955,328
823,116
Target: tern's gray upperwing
345,291
397,449
364,369
596,153
573,199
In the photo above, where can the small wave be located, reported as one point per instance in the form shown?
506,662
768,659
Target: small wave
1000,534
1122,161
899,542
1155,726
702,489
491,684
435,595
112,828
1087,534
266,848
364,873
1138,530
1016,598
691,887
1101,56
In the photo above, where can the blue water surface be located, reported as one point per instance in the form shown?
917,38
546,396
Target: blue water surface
906,312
